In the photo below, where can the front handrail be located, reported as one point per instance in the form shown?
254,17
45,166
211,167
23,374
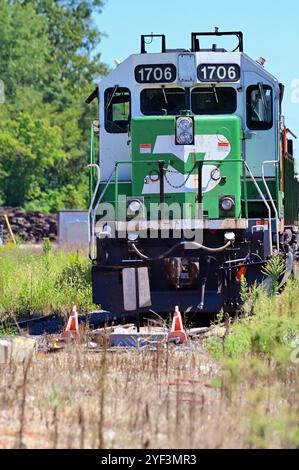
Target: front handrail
93,207
92,214
91,161
272,162
266,204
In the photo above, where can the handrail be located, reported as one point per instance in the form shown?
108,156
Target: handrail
238,34
93,197
91,160
96,166
92,213
274,162
266,204
214,162
92,210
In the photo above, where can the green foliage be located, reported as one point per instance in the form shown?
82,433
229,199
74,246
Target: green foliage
236,344
268,332
53,399
47,283
216,382
214,346
275,268
48,68
8,330
259,362
47,247
244,290
263,322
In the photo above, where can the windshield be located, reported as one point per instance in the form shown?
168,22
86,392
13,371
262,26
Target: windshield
202,100
160,101
213,100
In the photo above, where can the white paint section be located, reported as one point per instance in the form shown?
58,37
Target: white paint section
174,182
215,147
210,145
177,179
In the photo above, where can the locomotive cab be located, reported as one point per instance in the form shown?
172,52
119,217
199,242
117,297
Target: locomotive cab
194,182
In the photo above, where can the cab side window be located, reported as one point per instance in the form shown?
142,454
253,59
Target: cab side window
259,107
117,110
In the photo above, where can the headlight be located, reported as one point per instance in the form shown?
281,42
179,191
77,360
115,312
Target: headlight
105,232
184,130
185,123
134,206
229,237
184,138
133,237
227,203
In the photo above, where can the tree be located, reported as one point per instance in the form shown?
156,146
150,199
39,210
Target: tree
48,69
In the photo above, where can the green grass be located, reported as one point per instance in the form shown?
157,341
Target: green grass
7,330
248,398
40,283
266,331
259,366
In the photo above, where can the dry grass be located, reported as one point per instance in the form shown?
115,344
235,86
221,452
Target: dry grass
167,398
171,397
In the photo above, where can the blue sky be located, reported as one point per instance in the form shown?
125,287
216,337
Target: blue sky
270,30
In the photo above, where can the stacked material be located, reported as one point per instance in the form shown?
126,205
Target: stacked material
29,226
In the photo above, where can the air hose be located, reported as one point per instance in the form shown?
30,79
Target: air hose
197,246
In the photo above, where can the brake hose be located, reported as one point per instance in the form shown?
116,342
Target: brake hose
197,246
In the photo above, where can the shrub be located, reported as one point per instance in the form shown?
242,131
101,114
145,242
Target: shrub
266,331
31,283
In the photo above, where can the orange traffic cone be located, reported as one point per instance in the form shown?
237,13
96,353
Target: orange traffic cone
72,327
177,332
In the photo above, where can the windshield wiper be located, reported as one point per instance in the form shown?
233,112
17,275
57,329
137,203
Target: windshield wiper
111,97
216,94
263,96
165,97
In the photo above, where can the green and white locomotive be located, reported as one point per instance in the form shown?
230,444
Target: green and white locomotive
195,184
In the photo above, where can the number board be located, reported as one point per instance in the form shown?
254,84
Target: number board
219,72
163,73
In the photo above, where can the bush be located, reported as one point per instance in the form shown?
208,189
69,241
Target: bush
32,283
267,331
